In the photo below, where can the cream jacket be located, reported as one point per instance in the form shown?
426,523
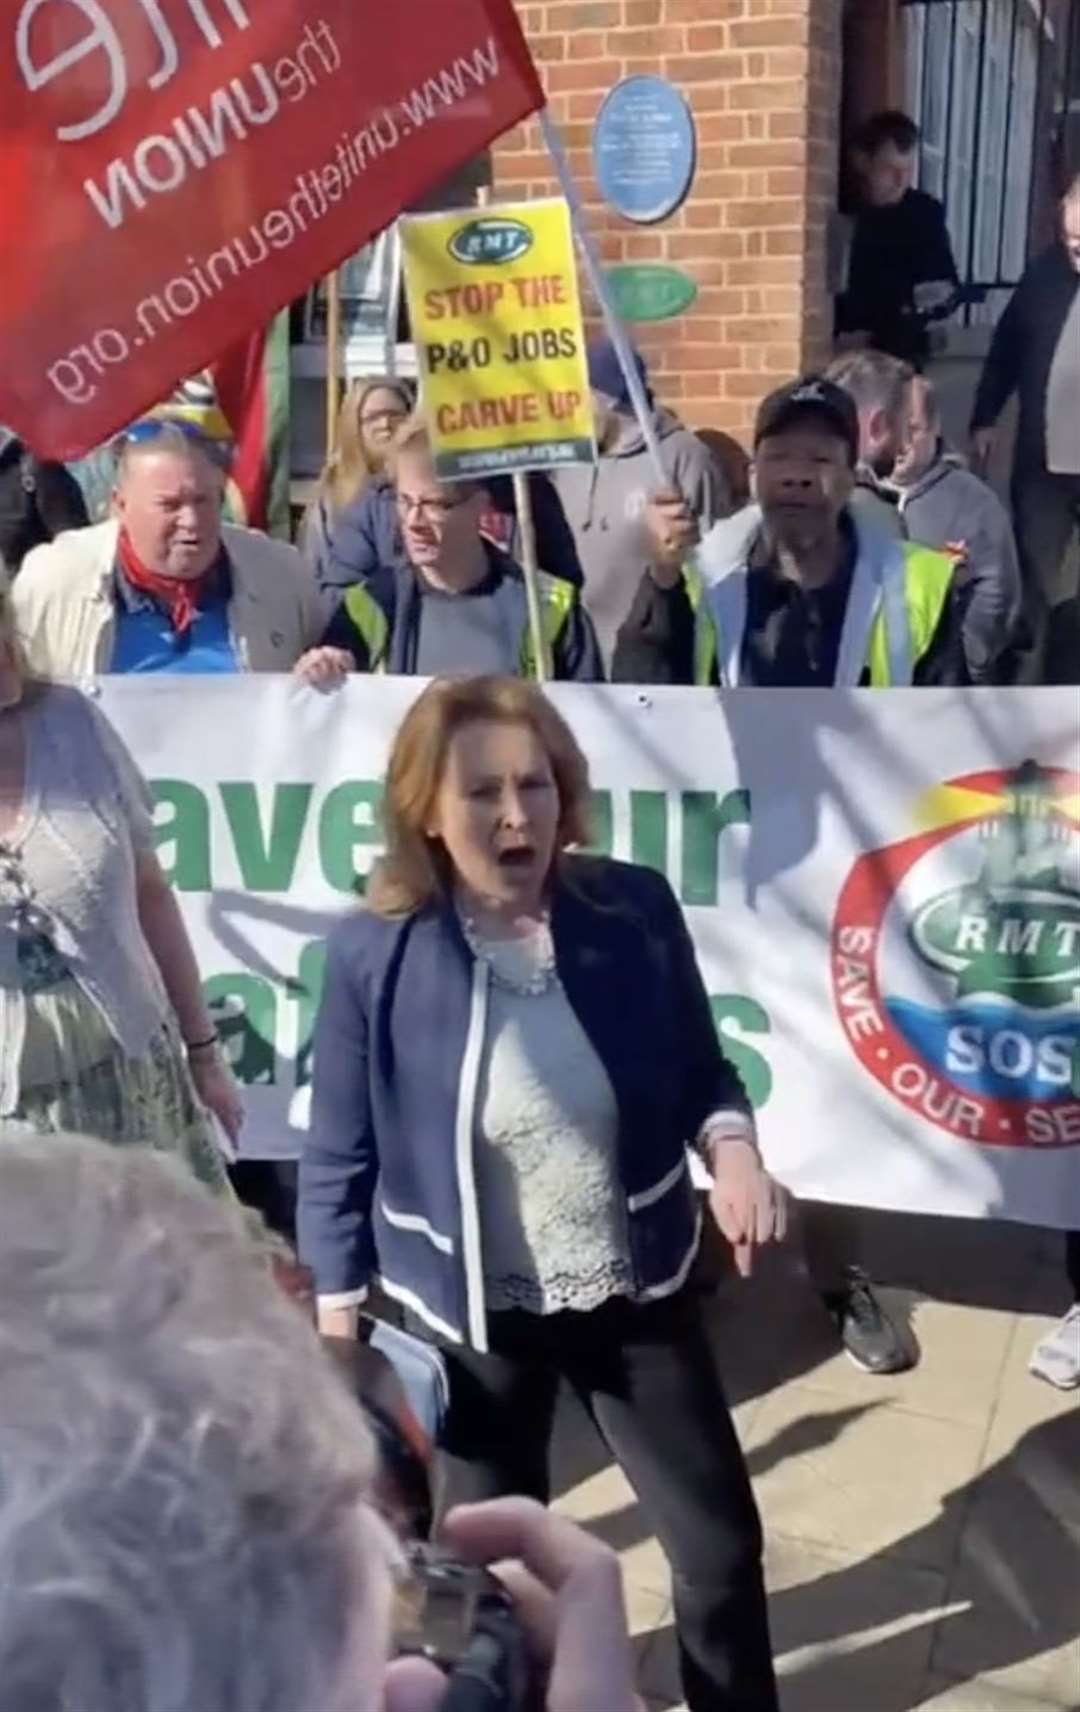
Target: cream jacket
65,614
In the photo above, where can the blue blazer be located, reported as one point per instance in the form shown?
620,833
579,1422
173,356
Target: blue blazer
387,1188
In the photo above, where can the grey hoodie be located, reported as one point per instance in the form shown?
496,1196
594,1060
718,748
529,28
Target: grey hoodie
605,504
950,507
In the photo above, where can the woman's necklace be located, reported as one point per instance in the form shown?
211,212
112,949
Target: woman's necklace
524,966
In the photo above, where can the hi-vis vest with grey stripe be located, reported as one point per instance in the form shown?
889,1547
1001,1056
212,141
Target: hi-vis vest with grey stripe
556,604
898,595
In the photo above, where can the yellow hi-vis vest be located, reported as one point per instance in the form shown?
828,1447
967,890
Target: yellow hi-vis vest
894,609
556,604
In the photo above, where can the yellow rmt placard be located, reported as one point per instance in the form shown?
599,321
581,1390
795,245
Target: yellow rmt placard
496,319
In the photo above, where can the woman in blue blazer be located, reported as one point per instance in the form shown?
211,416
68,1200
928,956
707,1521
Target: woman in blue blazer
513,1051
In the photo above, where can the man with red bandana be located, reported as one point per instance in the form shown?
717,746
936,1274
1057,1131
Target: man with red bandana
164,585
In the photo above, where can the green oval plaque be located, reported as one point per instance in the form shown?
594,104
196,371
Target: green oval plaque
646,292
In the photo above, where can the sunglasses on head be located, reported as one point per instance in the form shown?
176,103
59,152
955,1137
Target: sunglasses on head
153,427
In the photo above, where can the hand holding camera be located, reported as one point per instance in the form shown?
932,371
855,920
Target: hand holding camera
561,1591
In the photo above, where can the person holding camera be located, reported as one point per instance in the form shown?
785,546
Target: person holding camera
513,1051
172,1538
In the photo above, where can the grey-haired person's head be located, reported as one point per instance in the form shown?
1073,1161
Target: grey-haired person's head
184,1523
880,387
170,483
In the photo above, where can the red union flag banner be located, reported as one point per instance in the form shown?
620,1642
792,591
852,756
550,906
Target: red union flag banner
174,171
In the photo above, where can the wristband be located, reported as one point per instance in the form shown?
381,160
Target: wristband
723,1127
206,1045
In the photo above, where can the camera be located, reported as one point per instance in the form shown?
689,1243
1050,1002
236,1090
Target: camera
462,1619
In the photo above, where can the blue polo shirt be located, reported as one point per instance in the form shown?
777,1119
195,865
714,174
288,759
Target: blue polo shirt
147,642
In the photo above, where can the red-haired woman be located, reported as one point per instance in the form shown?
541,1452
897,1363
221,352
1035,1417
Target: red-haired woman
513,1051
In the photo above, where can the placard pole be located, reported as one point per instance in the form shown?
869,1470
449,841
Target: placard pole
333,359
530,563
615,330
393,305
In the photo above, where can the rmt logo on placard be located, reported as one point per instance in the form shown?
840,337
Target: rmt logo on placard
486,243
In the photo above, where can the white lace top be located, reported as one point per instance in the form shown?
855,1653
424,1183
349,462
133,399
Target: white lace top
553,1223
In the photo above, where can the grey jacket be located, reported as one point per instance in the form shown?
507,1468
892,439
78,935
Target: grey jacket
951,507
605,504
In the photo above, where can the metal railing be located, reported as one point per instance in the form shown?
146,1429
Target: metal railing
994,86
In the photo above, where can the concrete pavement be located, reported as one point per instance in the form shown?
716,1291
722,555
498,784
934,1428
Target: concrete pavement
923,1532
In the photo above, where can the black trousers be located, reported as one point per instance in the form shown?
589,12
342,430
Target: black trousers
1046,511
649,1378
832,1242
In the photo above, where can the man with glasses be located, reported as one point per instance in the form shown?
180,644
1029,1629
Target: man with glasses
364,534
164,585
456,603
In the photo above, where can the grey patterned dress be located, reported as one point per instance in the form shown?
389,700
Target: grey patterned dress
70,1071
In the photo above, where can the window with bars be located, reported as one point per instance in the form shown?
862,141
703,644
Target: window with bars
992,85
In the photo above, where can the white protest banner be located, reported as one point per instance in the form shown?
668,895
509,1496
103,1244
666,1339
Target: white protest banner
884,891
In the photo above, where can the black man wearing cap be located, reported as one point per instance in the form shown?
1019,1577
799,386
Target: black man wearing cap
800,591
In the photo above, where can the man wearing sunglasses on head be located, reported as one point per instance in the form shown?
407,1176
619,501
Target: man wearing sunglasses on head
455,602
164,585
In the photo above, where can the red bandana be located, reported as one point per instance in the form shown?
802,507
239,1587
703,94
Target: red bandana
180,596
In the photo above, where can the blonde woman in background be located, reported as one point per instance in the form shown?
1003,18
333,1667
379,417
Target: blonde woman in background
371,413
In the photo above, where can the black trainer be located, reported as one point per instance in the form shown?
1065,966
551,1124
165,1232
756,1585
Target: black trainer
869,1337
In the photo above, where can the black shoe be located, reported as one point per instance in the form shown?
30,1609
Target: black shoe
869,1337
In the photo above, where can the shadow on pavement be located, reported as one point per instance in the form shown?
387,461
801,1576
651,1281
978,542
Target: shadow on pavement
1012,1592
1009,1539
812,1432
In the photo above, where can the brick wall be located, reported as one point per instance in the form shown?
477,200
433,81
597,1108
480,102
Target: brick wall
763,79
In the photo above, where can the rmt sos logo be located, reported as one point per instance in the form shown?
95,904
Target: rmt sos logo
956,960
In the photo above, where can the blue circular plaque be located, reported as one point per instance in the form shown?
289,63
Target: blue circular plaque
645,149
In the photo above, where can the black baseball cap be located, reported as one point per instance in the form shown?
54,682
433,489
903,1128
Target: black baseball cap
813,396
